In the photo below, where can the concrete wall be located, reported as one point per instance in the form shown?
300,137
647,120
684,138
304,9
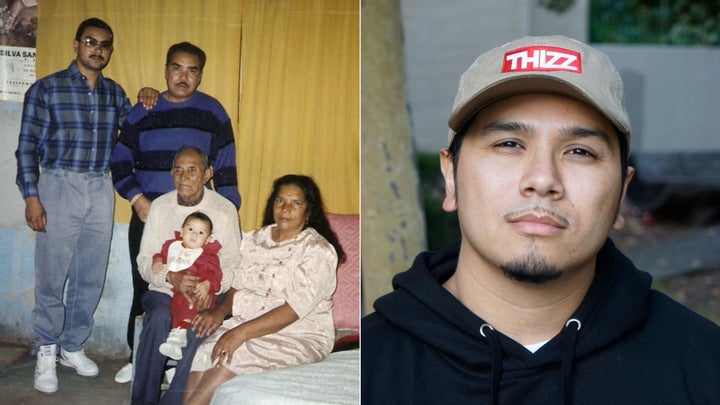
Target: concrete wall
17,246
671,95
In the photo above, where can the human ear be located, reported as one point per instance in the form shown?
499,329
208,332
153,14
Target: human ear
619,219
447,166
208,174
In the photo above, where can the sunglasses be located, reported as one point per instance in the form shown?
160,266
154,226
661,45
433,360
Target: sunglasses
91,43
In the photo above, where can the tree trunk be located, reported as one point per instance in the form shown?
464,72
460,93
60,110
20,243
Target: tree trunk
393,226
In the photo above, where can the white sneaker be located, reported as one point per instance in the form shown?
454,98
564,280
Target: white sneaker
80,362
171,350
178,337
125,374
45,374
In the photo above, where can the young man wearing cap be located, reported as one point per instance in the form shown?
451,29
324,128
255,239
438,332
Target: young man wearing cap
535,305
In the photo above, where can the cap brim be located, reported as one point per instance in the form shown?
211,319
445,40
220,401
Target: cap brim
523,84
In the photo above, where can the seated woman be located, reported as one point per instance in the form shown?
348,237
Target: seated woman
281,293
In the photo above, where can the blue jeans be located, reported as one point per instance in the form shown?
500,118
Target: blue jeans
74,248
150,363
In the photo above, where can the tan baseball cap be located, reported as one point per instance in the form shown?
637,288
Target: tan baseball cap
553,64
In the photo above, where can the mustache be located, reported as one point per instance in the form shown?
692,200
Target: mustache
539,212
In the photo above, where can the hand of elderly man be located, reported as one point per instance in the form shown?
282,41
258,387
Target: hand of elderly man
183,282
206,322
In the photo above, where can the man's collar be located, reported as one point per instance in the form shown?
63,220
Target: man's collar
185,203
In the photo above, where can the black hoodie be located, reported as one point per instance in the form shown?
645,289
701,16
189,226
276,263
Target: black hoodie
634,346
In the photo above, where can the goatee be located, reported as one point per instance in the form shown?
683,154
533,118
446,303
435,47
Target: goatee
532,268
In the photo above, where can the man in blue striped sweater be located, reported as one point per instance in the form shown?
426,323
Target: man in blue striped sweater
149,139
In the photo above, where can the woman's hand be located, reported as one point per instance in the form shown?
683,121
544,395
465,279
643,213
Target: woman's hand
265,324
227,344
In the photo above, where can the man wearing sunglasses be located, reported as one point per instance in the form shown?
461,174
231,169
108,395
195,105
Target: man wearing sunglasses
69,125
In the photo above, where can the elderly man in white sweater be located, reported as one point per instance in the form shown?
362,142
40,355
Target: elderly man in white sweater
190,172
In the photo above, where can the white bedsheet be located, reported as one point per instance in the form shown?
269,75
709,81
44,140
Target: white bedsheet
335,380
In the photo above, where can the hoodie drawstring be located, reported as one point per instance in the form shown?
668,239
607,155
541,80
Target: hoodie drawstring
567,360
497,358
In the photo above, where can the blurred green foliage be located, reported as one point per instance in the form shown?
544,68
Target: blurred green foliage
680,22
441,227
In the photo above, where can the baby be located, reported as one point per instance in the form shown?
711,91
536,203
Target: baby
191,251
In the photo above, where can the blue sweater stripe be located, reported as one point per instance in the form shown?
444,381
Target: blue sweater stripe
143,156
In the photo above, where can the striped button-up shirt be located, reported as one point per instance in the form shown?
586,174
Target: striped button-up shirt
66,125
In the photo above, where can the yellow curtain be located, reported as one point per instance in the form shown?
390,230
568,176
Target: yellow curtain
286,71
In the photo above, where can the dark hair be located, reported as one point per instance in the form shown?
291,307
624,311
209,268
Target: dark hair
201,216
203,156
92,22
315,209
186,47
